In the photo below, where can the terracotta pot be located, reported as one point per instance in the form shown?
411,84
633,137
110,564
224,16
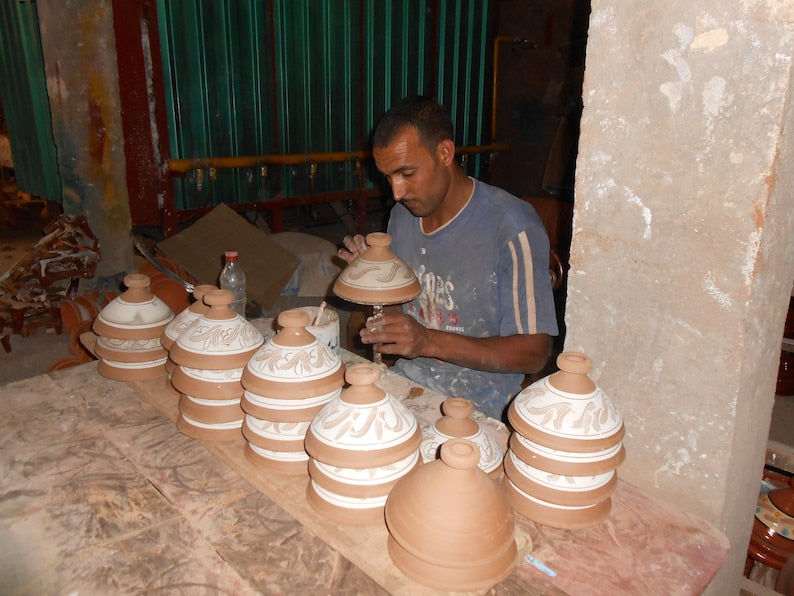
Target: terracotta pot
556,516
288,463
377,276
219,433
213,413
285,410
83,308
362,483
129,350
457,423
135,371
567,463
450,526
275,436
208,384
772,538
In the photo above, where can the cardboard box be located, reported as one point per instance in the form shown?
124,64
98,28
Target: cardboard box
200,249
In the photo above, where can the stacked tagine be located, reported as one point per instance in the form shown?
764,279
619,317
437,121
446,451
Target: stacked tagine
450,526
184,320
360,444
286,383
561,463
129,329
458,423
210,357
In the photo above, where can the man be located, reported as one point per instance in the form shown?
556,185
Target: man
486,310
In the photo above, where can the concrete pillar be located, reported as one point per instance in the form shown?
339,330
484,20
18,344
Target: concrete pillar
79,50
683,243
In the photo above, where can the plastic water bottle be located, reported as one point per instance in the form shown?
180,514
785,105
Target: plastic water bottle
233,278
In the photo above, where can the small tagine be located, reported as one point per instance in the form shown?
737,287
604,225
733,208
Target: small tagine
129,329
458,423
772,538
287,381
184,320
360,444
210,355
450,526
560,467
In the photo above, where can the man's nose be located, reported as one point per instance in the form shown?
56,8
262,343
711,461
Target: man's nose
397,189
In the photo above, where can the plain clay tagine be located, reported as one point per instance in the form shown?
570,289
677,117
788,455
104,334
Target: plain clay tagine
450,525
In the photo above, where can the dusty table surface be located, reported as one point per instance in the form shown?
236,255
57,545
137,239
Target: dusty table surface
101,493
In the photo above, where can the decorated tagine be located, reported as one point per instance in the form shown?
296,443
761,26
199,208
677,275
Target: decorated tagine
772,538
560,466
458,423
287,381
450,525
360,444
184,320
210,356
128,333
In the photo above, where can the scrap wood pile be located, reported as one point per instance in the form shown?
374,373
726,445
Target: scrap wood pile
32,290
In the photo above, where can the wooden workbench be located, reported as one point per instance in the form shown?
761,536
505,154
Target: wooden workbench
101,493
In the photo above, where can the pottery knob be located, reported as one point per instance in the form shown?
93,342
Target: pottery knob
137,288
378,250
219,301
293,331
362,390
572,376
460,454
457,421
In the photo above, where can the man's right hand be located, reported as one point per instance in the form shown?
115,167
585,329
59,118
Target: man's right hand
354,247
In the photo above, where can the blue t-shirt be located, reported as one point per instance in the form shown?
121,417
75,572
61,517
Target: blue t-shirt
483,274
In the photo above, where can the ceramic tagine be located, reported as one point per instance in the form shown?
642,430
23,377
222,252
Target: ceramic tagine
129,329
287,381
360,444
180,323
560,467
210,355
450,526
457,422
772,538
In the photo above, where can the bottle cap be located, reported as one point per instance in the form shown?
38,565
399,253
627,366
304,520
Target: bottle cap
231,255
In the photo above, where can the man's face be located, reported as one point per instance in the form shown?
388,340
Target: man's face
418,178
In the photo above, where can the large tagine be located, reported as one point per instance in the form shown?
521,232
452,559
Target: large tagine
129,329
450,526
360,444
287,381
560,467
457,422
210,355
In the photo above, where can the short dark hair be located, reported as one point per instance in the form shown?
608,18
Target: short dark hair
431,120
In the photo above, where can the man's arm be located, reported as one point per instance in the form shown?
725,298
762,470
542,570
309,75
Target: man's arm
402,335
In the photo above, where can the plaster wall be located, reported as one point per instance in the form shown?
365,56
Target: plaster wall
682,260
79,51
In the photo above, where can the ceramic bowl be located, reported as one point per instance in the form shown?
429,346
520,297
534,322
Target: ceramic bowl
285,410
136,314
566,411
556,516
288,463
211,411
556,489
220,339
215,432
275,436
132,371
567,463
364,427
129,350
450,524
362,482
356,511
293,364
208,384
457,422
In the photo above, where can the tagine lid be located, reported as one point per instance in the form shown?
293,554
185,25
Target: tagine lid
566,410
449,513
293,364
377,276
219,339
364,427
187,317
135,314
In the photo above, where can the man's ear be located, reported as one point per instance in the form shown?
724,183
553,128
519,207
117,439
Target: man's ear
446,151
